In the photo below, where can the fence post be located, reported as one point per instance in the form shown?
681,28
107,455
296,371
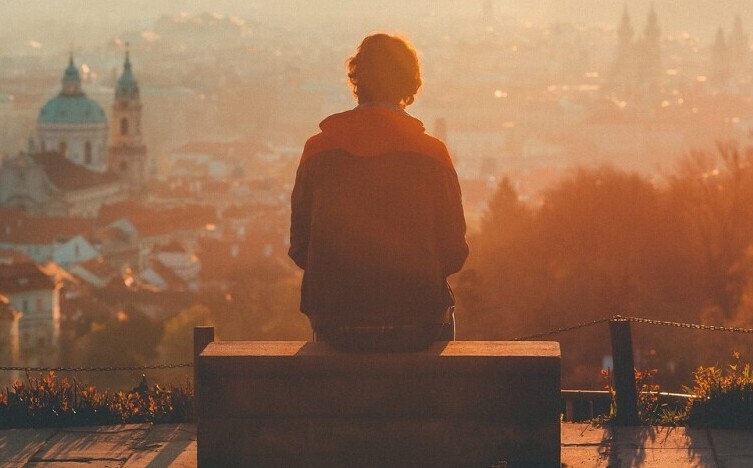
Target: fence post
202,336
626,398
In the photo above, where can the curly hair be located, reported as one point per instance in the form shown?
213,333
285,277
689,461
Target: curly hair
384,69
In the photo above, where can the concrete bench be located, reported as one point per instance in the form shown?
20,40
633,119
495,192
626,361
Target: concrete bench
458,404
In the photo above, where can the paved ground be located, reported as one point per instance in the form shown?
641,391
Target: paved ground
144,445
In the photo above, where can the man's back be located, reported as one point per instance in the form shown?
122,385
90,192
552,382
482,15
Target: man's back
377,221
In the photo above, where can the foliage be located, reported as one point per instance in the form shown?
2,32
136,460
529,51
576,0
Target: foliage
724,396
650,410
128,339
262,304
603,242
176,345
48,400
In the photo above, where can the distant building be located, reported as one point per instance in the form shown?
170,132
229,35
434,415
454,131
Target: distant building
72,172
63,240
730,54
9,344
49,184
30,291
128,157
638,60
74,125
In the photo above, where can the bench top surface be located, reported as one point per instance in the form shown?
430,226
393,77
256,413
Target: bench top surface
546,349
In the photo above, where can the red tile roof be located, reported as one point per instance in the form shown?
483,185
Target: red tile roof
23,277
151,221
9,257
67,176
25,230
240,148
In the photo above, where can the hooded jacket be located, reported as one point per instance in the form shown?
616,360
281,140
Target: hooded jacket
377,221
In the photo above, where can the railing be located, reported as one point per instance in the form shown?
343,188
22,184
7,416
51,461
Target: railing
576,404
625,393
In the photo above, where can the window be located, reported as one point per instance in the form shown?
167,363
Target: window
124,126
88,153
63,148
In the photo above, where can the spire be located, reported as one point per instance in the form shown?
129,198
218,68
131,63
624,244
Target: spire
625,31
127,87
719,42
738,41
652,32
488,10
71,79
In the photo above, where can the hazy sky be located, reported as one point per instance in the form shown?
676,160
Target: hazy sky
699,16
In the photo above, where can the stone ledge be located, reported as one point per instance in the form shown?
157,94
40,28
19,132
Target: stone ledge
304,404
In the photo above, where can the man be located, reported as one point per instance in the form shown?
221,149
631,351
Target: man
377,222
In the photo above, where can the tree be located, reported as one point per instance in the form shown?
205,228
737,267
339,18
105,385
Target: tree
262,304
128,339
176,346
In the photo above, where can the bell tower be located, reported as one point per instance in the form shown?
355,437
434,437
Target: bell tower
128,156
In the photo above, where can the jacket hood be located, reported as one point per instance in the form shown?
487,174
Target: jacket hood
370,131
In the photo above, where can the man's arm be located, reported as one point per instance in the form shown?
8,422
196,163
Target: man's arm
451,226
300,218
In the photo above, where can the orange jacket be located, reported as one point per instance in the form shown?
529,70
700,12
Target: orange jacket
377,221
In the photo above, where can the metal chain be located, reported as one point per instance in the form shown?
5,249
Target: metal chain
94,369
693,326
563,329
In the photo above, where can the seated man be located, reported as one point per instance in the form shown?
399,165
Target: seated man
377,222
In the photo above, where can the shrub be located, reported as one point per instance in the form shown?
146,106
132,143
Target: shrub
724,396
48,400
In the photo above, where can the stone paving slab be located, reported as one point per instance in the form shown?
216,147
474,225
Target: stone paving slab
663,447
174,445
19,445
104,446
663,458
591,457
584,445
734,449
663,437
166,445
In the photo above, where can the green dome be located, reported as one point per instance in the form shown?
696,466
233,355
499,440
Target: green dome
71,109
71,106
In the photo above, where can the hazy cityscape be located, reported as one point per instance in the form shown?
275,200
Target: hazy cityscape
161,199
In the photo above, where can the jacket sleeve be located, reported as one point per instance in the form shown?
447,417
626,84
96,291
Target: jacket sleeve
451,226
300,217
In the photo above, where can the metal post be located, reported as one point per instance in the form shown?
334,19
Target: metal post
626,398
202,336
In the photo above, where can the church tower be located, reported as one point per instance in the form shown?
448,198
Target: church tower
651,47
738,48
720,55
623,69
625,36
127,151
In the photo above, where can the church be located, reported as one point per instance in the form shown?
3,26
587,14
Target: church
70,169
